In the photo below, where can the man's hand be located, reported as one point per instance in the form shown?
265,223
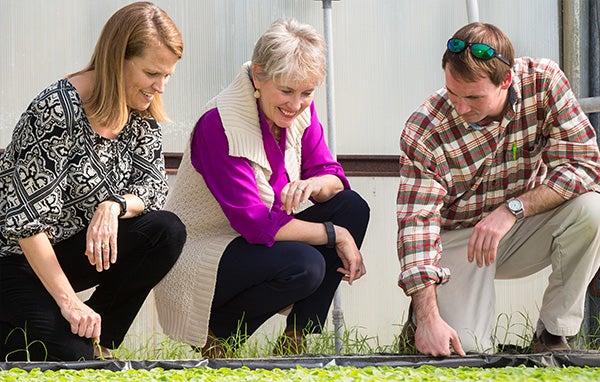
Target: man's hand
433,335
486,236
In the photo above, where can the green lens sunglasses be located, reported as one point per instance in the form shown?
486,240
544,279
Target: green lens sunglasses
479,50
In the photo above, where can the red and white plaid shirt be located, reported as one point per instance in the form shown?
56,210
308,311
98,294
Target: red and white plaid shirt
452,175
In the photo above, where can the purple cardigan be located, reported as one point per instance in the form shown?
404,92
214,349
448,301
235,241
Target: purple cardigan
232,180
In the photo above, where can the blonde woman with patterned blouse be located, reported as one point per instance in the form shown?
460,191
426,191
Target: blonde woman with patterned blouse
81,186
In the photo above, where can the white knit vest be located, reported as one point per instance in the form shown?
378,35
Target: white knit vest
184,296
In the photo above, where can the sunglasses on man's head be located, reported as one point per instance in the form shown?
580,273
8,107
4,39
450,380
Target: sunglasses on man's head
479,50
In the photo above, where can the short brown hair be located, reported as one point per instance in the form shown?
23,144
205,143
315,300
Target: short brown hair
470,68
126,34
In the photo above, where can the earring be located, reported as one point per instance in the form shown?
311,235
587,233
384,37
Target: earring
257,94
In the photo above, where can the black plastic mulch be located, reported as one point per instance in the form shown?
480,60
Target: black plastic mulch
579,358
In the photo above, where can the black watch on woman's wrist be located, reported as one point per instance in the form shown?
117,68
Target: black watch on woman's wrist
122,202
330,230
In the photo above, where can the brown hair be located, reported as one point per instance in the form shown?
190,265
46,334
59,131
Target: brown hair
470,68
127,33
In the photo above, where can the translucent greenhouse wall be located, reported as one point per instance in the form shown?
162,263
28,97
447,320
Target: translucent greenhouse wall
387,56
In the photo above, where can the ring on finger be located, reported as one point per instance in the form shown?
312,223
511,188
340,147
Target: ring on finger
104,245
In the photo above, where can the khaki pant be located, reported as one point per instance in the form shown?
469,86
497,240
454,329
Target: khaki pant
566,238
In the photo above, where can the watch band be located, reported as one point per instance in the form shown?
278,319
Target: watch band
330,234
122,202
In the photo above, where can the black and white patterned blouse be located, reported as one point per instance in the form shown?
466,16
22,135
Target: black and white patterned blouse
56,169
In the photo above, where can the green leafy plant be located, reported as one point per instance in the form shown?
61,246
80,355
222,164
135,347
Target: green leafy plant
332,373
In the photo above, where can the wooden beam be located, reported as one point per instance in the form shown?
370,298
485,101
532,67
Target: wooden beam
354,165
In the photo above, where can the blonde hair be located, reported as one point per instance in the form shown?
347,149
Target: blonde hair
127,34
290,51
470,68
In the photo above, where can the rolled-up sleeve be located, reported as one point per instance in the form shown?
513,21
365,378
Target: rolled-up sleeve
418,205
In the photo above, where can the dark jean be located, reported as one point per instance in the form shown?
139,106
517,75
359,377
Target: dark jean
254,282
148,246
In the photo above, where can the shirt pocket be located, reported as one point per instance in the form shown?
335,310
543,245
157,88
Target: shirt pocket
524,162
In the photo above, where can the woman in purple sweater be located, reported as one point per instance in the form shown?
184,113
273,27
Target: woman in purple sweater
285,226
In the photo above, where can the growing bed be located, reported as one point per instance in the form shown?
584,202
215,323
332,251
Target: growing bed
580,365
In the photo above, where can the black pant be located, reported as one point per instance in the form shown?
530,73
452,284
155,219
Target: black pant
148,246
254,282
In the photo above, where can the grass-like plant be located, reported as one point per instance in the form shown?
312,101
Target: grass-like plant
354,342
26,342
505,328
261,345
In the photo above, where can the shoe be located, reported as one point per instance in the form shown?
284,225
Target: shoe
548,342
291,342
406,341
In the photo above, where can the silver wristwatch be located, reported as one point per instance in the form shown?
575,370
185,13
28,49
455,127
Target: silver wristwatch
516,207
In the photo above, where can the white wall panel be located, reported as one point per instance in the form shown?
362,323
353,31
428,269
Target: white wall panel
386,53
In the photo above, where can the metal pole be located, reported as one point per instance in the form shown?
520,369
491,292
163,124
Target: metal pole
338,313
329,78
472,11
571,43
590,105
594,64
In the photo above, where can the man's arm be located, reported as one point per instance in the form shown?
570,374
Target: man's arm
433,335
539,200
486,236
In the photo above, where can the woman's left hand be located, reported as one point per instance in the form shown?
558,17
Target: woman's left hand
101,238
298,192
319,188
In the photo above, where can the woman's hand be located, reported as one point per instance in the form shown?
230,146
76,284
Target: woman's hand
348,252
320,188
298,192
40,255
101,238
84,321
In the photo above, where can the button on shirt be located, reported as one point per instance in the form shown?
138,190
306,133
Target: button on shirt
452,175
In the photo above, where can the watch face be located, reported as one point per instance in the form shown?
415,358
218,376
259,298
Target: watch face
515,205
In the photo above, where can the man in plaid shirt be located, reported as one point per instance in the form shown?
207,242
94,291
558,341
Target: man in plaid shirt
498,180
